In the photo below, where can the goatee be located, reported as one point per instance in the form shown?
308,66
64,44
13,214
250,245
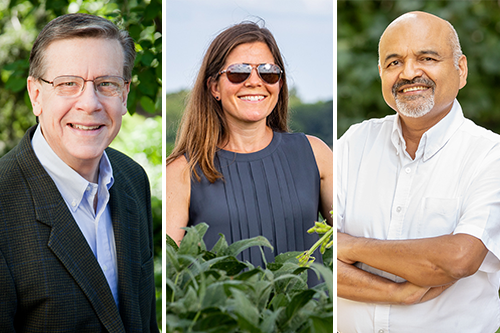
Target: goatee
414,106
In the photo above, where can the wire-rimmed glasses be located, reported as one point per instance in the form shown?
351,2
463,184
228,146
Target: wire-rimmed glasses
73,86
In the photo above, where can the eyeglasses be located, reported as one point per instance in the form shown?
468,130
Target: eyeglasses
73,86
238,73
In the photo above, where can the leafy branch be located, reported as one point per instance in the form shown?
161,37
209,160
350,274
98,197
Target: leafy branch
326,242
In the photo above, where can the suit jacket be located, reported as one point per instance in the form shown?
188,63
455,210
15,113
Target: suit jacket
50,281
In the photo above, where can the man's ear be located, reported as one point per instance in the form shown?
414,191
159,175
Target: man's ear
35,93
463,71
124,99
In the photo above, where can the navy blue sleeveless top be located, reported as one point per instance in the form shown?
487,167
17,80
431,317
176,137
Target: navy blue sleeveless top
273,192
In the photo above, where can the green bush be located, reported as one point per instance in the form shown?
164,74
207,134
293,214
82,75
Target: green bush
213,291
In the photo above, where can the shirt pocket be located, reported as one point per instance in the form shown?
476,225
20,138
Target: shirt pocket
439,216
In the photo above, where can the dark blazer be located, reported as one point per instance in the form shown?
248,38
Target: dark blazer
50,281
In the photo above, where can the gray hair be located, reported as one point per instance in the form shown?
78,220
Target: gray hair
455,44
80,26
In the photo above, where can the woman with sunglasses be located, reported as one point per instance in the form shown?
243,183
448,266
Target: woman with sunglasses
235,165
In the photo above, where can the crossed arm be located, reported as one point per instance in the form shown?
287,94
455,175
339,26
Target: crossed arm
429,266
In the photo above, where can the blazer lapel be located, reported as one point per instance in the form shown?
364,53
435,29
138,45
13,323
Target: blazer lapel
127,238
66,240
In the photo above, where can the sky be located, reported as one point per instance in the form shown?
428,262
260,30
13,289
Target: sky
303,30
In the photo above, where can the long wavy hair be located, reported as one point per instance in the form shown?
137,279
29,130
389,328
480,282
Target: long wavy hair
203,126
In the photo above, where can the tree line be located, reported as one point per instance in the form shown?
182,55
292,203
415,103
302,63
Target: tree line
310,118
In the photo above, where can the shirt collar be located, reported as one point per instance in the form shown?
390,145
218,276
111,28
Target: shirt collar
436,137
70,183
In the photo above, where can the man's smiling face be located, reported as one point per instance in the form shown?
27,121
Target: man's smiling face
79,128
417,66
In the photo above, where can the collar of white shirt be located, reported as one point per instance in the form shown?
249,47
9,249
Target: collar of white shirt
435,138
70,183
79,194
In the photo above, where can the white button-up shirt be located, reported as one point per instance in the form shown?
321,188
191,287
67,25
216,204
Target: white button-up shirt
452,186
79,195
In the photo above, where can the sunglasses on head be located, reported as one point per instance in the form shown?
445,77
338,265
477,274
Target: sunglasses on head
238,73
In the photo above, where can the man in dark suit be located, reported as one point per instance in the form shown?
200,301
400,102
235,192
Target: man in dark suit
76,248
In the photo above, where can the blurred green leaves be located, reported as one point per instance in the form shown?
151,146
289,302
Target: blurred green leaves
22,20
359,27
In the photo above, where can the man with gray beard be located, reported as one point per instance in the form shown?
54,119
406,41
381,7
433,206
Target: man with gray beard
418,197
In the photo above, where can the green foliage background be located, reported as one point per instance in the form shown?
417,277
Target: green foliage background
140,137
359,27
20,23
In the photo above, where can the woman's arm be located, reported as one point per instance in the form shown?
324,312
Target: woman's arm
178,193
324,160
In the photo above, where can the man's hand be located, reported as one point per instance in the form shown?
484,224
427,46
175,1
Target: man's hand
358,285
410,293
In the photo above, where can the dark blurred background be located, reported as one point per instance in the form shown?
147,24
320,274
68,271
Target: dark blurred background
359,27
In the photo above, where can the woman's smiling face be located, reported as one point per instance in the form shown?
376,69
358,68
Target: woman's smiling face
252,100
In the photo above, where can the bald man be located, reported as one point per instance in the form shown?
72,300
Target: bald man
418,216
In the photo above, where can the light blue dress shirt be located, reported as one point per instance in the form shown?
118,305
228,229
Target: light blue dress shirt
79,195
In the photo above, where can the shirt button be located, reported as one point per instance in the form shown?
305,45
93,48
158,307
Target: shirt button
398,209
408,170
380,331
105,268
73,203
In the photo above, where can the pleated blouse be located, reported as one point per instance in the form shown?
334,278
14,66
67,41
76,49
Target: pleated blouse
273,192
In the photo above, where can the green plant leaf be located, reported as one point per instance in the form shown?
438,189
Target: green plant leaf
235,284
214,296
239,246
216,322
263,291
221,246
287,257
248,274
147,104
172,243
298,301
278,301
328,258
290,282
16,83
269,318
190,300
327,275
321,324
193,242
248,315
231,265
172,260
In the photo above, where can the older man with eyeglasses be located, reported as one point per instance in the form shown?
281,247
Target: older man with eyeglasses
75,216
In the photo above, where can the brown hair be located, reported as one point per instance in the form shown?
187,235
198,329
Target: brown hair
80,26
203,125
